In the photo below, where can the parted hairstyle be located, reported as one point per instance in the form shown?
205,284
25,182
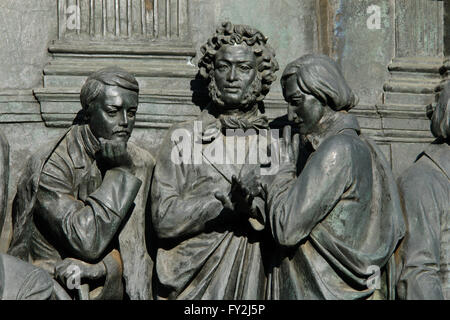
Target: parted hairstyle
111,76
230,34
440,118
320,76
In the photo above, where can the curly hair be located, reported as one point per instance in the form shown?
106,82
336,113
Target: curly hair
230,34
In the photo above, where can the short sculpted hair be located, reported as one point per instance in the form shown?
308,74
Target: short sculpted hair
111,76
440,119
230,34
320,76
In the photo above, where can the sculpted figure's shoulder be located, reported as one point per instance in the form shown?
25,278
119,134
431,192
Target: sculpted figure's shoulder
140,156
341,148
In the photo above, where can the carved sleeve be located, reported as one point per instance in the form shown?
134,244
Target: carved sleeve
182,201
297,205
420,249
84,228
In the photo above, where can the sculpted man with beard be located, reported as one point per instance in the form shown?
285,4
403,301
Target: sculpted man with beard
207,208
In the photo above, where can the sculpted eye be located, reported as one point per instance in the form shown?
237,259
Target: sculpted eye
131,114
222,67
245,67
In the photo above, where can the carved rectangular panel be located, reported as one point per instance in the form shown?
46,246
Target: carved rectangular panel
140,20
419,28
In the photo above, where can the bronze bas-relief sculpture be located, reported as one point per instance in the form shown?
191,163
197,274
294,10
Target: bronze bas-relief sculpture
18,280
424,255
81,200
224,230
206,213
340,218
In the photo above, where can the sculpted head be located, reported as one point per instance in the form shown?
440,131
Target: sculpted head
239,64
313,85
440,119
109,98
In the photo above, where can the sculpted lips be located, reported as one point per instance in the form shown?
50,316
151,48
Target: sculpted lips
232,89
122,133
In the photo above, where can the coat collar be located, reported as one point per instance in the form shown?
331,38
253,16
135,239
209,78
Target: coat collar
342,122
82,145
439,153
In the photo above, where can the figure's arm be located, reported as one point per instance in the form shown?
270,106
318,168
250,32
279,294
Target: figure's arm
420,249
182,202
297,205
83,228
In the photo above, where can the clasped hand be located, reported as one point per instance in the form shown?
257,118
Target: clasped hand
243,190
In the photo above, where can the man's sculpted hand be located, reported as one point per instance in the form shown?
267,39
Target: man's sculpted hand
240,197
290,147
114,154
64,269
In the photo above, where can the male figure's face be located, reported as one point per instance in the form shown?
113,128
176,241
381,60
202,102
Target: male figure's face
234,72
303,109
113,113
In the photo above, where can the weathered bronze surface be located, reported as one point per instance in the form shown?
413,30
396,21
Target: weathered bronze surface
246,200
424,256
340,217
204,213
18,280
81,200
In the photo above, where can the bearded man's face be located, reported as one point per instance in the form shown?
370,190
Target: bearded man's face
235,82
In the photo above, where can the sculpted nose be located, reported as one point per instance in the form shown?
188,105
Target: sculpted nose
232,74
123,121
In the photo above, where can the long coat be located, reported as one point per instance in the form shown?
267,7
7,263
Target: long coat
18,280
425,251
64,207
338,223
204,251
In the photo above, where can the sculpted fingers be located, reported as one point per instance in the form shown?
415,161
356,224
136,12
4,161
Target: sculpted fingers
296,146
225,200
65,269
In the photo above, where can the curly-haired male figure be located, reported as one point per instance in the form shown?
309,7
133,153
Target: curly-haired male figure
207,207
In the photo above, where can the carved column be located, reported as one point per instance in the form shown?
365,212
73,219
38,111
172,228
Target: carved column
150,38
415,71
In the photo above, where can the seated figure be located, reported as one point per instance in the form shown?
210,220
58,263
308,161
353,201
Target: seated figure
18,280
339,221
81,200
424,255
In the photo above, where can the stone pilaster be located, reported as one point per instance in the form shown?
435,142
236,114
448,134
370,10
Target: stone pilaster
415,71
150,38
